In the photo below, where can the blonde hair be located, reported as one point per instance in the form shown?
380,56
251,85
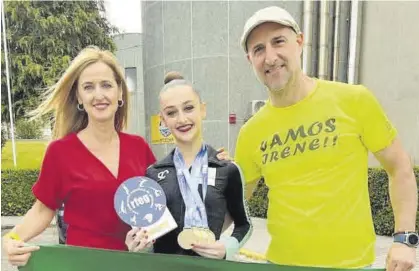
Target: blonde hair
61,98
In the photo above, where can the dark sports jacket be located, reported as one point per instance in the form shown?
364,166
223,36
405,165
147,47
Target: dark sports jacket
227,195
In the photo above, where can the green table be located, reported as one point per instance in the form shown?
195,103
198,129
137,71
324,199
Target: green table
68,258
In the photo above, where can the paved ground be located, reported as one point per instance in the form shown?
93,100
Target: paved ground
257,243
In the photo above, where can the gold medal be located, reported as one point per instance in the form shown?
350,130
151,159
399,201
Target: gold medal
204,236
198,234
186,238
210,236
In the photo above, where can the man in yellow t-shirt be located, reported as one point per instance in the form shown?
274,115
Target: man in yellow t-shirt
310,143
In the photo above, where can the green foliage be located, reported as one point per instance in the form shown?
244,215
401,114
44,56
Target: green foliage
42,38
258,204
382,211
16,191
380,201
3,137
28,129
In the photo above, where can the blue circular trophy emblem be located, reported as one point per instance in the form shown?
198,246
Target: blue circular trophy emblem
140,201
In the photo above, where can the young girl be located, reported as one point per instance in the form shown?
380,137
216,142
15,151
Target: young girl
200,189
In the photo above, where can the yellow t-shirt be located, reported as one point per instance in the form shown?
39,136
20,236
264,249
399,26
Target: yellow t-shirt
314,158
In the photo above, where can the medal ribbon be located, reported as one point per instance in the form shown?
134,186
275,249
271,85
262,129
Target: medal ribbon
195,214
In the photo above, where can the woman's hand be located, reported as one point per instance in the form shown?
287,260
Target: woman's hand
137,240
17,252
216,250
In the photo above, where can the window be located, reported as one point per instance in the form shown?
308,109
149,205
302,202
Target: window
131,78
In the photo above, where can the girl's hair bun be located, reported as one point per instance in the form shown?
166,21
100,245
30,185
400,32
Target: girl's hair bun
170,76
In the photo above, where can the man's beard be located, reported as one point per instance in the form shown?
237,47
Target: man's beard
277,89
281,88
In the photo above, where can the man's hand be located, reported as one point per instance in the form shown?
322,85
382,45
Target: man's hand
222,154
401,258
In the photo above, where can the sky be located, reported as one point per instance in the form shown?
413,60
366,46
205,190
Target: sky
125,14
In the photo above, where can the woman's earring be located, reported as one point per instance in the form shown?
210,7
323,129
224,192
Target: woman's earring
80,107
120,103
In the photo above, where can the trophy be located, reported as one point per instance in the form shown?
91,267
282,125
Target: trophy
141,202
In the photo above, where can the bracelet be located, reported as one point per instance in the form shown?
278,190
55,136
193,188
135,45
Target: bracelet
13,235
403,232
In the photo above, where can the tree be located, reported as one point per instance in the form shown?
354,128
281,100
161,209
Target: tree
3,137
42,38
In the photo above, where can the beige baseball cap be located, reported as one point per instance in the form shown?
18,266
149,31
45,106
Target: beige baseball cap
270,14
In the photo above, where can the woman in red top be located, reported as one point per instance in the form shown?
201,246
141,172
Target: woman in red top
87,160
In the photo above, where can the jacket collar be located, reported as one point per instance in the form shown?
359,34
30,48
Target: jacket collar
212,159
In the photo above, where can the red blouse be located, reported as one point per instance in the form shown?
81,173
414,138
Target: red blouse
71,174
